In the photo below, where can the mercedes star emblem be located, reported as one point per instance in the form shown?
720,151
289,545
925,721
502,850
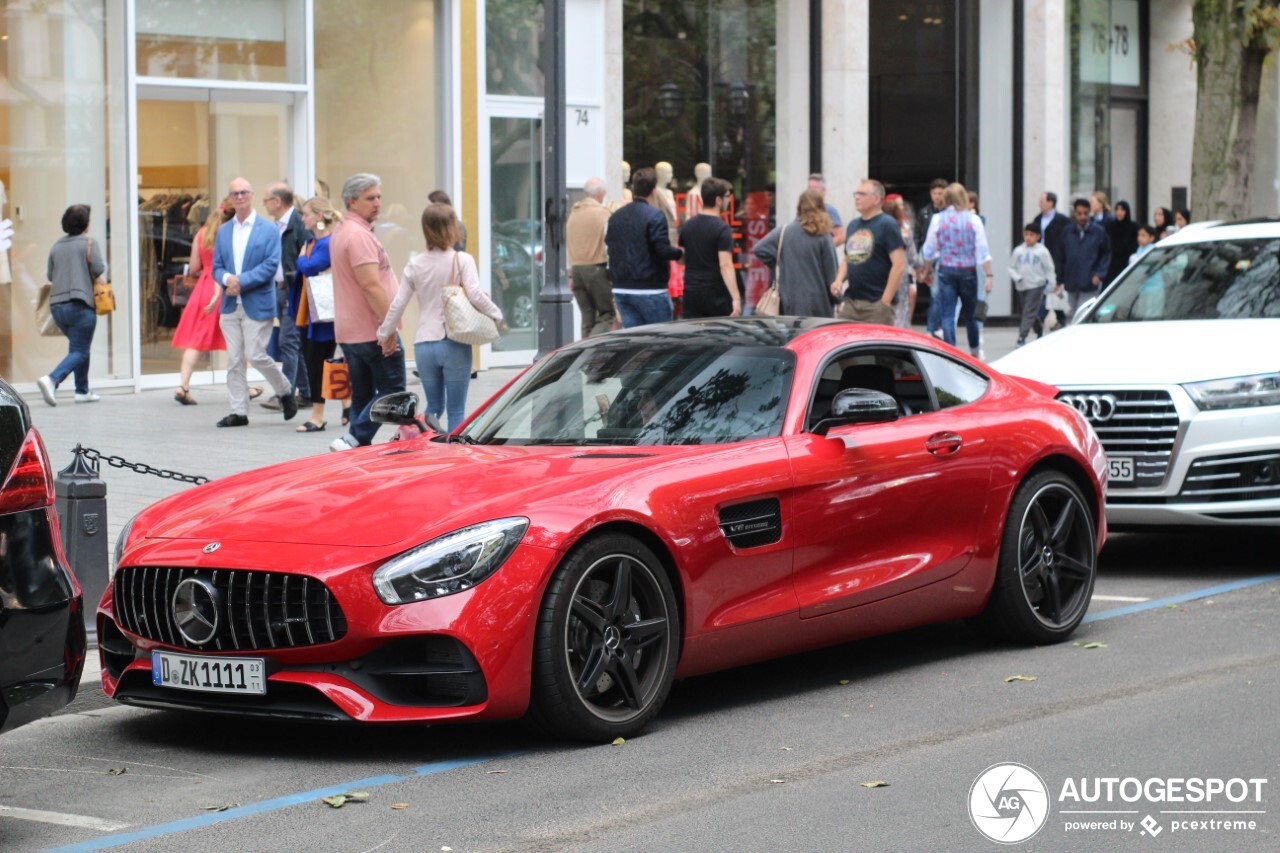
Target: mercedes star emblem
195,610
211,547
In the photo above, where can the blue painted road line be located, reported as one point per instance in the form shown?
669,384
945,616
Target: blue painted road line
121,838
1179,599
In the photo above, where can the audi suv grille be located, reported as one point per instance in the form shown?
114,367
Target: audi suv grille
1238,477
257,611
1138,424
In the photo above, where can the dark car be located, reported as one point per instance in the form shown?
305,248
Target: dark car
42,636
517,278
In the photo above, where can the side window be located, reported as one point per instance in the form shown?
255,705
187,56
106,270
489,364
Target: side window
890,371
953,383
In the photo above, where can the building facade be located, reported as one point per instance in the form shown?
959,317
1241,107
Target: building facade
145,109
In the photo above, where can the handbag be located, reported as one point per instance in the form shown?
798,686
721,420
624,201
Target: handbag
336,383
44,313
462,322
104,298
180,290
320,297
770,302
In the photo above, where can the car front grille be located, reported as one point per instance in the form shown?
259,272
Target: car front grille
1142,425
256,611
1237,477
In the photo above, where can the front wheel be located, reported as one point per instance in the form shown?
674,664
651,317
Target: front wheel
607,642
1048,564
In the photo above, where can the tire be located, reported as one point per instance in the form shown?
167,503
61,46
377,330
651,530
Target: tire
603,663
1047,567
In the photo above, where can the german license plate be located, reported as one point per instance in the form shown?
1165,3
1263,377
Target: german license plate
1120,469
209,674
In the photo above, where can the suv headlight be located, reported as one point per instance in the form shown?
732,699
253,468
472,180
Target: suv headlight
451,563
1236,392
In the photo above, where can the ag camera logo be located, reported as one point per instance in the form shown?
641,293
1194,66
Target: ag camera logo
1009,803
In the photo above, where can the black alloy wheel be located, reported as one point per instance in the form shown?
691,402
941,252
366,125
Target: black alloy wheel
607,642
1048,563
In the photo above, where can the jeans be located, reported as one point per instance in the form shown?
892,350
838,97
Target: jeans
445,369
78,322
290,344
641,310
373,375
955,284
933,320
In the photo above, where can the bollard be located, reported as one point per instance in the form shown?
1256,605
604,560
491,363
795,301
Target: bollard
82,510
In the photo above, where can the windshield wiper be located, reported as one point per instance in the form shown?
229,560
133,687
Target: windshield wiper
460,438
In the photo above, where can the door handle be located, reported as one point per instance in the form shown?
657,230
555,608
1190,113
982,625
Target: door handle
943,443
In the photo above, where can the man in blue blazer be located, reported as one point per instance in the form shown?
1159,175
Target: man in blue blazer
246,255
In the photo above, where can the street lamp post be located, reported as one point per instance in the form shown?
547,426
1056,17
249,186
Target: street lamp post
555,302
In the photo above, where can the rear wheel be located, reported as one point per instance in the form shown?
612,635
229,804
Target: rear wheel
1048,563
607,641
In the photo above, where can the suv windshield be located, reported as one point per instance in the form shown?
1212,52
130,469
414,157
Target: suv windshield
628,392
1221,280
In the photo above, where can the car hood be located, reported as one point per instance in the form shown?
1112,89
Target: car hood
390,493
1147,353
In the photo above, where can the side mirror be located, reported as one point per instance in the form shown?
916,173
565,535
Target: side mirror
398,408
859,406
1083,310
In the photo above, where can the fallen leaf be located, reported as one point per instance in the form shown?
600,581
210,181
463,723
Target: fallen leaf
446,849
399,806
117,771
618,741
336,801
222,808
1171,607
788,749
1209,603
357,797
1021,678
778,781
491,772
844,681
875,783
1092,645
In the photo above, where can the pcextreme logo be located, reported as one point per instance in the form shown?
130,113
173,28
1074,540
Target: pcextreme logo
1010,803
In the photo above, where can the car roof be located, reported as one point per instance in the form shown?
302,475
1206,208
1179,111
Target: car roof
731,331
1245,229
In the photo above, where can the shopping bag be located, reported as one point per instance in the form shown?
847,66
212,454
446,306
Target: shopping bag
337,381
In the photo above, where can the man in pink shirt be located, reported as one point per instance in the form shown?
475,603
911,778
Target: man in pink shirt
363,287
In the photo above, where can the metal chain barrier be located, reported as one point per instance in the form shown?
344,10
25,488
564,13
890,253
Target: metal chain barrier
139,467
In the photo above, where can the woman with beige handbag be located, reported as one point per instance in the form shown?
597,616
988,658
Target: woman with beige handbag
443,280
809,262
75,264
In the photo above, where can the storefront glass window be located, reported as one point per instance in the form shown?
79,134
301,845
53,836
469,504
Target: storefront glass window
54,150
251,40
1092,41
378,103
513,47
515,204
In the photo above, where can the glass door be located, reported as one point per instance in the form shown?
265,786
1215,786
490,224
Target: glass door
515,209
191,143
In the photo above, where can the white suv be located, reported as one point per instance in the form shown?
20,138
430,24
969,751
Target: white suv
1177,366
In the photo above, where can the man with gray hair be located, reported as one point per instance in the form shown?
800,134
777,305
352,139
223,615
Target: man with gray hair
363,287
588,267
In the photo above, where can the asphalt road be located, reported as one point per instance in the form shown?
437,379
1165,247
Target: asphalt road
766,757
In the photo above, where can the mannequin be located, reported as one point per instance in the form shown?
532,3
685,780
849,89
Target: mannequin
665,201
626,189
693,201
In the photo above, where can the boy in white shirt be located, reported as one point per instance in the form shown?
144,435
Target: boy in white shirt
1146,239
1031,269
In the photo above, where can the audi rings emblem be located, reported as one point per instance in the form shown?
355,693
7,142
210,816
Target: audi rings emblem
196,604
1097,408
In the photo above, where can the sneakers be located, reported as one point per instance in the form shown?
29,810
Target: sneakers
88,397
341,443
46,386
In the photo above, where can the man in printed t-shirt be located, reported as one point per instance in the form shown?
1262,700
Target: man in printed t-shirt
874,262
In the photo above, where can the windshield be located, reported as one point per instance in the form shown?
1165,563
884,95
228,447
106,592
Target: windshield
628,392
1222,280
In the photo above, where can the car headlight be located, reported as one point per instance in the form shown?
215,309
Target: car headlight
1236,392
451,563
122,541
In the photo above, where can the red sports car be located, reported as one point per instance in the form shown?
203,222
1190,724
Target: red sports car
635,508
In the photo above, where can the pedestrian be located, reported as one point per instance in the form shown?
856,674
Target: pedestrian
1087,257
874,262
1124,239
320,218
444,365
1182,218
804,259
363,287
935,204
1053,225
710,281
198,330
588,260
1146,241
293,236
1163,221
640,256
818,183
896,207
1031,270
246,255
75,263
957,241
442,197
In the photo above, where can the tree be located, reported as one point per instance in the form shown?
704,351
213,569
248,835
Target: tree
1231,41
